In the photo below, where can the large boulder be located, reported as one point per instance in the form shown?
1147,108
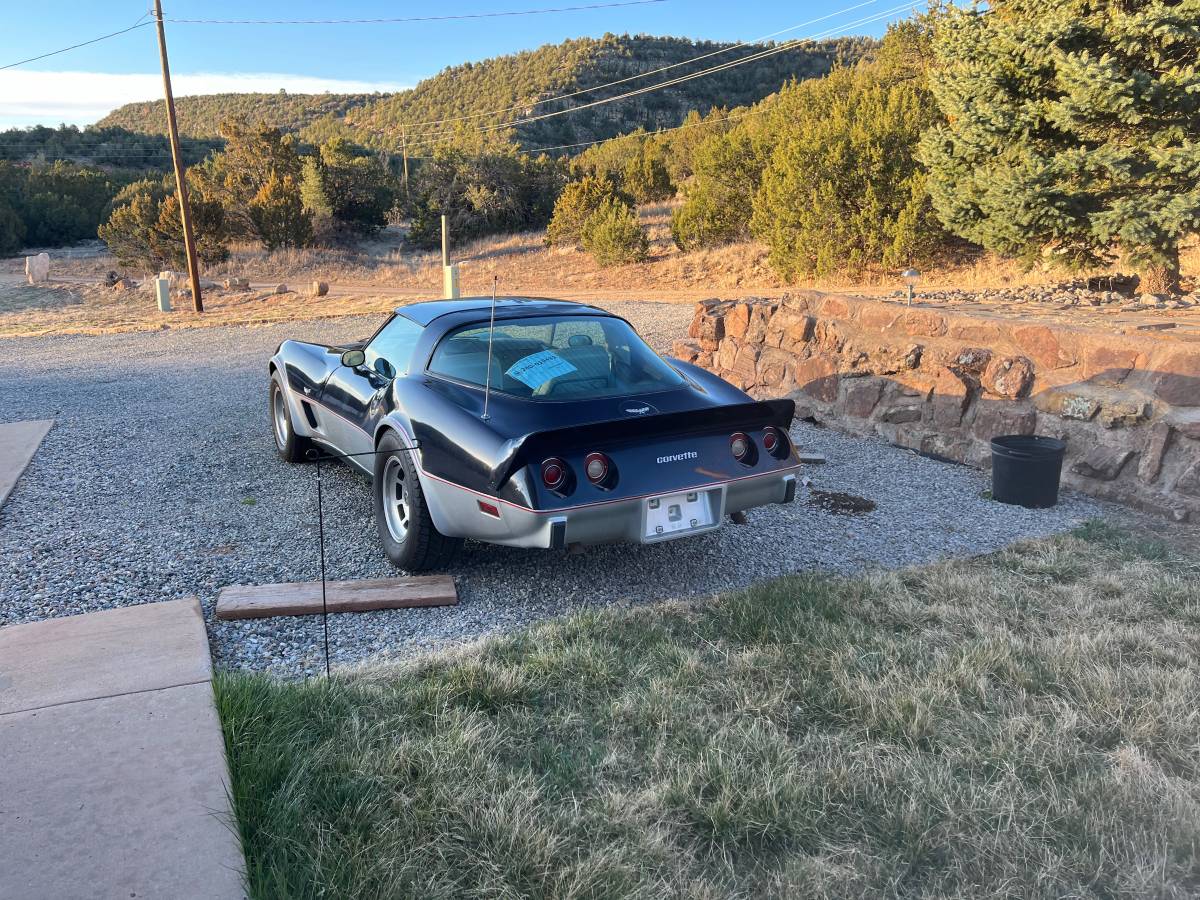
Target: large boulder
37,268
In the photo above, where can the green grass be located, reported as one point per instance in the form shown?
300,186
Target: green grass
1023,724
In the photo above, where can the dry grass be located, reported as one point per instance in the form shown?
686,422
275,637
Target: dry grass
1022,724
85,309
379,273
524,264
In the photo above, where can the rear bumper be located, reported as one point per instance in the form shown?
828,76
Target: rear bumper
457,513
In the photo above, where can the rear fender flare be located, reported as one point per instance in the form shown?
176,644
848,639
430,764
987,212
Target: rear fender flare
430,488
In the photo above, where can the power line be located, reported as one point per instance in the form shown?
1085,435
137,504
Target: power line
754,57
647,74
485,15
104,37
733,117
432,136
649,134
442,18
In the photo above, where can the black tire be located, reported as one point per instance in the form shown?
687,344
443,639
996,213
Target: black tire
291,447
418,546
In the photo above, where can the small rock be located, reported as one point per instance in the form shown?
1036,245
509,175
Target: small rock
1124,413
1102,463
281,289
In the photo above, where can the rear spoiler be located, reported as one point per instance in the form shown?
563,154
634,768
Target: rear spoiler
540,444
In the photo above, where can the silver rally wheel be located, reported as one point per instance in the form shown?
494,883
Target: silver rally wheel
291,446
283,424
395,499
410,539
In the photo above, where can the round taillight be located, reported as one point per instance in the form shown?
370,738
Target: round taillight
739,445
554,473
596,467
771,440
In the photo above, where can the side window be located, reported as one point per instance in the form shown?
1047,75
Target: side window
390,353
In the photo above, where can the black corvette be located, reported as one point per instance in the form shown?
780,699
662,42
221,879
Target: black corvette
556,425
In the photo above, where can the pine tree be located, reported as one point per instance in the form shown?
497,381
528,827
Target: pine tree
1073,130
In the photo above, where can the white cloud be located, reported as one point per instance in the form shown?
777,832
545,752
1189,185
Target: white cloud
80,98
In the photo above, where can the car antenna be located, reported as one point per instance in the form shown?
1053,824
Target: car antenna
487,381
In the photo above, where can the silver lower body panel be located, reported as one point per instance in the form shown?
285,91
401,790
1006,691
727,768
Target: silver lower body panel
457,512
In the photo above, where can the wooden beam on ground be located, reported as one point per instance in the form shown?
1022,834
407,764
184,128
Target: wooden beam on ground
261,601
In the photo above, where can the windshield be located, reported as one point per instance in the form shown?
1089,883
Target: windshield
555,358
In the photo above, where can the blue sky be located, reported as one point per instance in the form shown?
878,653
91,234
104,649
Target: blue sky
80,86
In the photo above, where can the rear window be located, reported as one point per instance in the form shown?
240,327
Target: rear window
555,358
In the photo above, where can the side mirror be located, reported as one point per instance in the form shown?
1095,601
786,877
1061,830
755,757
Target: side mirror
353,358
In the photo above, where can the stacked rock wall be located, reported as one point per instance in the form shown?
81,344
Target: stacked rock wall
945,382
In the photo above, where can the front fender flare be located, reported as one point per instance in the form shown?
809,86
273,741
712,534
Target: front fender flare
299,419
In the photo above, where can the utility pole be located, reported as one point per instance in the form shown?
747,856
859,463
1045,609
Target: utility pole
445,242
185,211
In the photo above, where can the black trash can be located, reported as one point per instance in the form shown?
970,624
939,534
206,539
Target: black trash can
1026,469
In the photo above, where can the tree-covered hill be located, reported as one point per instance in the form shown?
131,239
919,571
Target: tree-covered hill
518,81
108,148
199,116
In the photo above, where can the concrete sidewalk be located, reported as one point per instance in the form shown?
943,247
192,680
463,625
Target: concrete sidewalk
18,442
113,782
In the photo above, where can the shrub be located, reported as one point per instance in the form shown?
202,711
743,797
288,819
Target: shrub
359,189
208,230
127,231
637,162
609,158
144,230
613,236
58,203
645,177
491,190
681,145
54,219
843,189
718,205
576,204
12,230
279,216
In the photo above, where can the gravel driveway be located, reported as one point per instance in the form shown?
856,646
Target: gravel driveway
160,480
